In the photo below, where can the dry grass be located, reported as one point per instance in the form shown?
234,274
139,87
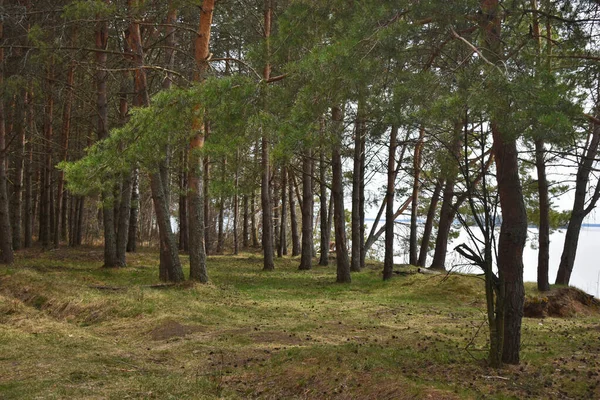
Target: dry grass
70,329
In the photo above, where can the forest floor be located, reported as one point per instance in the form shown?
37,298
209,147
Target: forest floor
71,329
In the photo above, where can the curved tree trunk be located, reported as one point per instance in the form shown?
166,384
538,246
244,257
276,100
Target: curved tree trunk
427,229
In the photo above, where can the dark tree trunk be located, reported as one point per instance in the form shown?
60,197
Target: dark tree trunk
183,204
325,229
245,224
28,212
337,188
427,229
134,212
448,208
276,217
45,207
16,203
206,205
124,217
388,262
361,198
253,221
513,231
355,264
110,237
544,225
6,250
282,250
79,225
236,205
307,211
265,193
293,217
413,240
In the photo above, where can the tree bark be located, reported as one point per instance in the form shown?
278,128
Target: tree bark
183,204
388,262
283,249
134,212
427,229
245,223
267,218
197,199
355,262
544,225
110,237
580,209
337,188
6,250
253,228
293,217
325,229
413,240
16,202
307,211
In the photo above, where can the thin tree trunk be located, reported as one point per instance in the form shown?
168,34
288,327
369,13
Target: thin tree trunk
388,262
325,233
355,265
427,229
448,208
337,188
254,228
283,249
196,194
125,195
245,223
580,209
183,206
16,202
413,240
6,250
236,205
134,212
307,211
28,212
293,217
544,226
361,198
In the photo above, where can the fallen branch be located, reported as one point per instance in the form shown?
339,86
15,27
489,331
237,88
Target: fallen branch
427,271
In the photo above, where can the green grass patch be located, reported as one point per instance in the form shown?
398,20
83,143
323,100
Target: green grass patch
71,329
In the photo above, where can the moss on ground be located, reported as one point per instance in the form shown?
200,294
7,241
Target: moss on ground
70,329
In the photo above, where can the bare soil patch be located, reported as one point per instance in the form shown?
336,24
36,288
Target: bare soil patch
562,303
172,329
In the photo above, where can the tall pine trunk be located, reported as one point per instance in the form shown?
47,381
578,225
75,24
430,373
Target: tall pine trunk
307,211
6,250
337,188
282,250
388,261
293,215
413,240
324,212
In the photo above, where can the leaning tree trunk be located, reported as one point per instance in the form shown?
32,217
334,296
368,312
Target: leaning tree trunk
174,271
427,229
307,211
337,188
580,209
388,262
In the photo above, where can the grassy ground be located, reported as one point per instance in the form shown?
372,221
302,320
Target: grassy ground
70,329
